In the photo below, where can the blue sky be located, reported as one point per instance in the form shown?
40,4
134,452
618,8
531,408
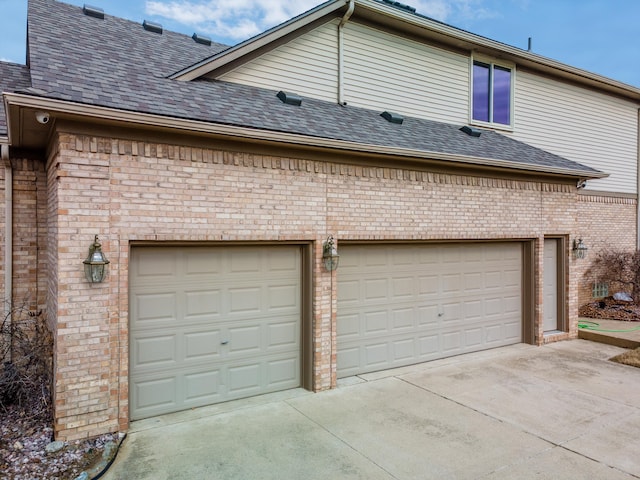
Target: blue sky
601,36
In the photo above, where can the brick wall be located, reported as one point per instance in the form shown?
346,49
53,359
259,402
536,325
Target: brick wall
128,191
603,223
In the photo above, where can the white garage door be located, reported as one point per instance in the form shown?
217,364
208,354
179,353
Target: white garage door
210,324
404,304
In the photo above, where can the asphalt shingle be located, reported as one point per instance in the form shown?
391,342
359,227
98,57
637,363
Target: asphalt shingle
12,77
116,63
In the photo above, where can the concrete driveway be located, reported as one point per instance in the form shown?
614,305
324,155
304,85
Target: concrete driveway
561,411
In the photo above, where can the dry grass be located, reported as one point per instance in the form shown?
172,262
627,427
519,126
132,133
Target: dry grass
632,357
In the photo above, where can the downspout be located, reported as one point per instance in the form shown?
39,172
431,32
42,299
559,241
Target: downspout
8,233
345,19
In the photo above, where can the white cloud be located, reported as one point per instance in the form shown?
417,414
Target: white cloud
454,10
233,19
240,19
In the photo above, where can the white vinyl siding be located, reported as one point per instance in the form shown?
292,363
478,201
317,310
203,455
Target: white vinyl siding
582,125
307,66
387,72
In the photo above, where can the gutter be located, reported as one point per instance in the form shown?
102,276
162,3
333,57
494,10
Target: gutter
8,232
345,19
196,126
638,185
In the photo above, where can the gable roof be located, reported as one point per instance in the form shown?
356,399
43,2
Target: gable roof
12,77
396,16
115,68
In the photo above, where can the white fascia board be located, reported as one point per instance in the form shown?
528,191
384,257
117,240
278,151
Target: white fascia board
208,65
158,121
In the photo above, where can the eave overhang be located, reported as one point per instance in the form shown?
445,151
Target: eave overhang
21,109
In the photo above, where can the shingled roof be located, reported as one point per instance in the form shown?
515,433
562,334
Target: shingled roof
12,77
116,63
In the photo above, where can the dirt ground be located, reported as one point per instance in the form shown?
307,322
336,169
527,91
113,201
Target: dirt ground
24,434
611,309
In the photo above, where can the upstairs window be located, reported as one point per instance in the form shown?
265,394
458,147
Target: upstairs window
491,93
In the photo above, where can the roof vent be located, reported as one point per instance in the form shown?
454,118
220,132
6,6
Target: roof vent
290,98
400,5
472,132
152,27
392,117
94,12
201,39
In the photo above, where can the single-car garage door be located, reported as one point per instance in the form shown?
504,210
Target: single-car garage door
404,304
210,324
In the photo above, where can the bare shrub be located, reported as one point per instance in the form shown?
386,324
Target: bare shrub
620,268
26,348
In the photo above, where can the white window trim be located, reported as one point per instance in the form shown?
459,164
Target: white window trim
498,63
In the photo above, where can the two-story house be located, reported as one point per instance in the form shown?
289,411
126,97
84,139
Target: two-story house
455,177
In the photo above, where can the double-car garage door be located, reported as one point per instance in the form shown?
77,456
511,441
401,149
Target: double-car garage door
404,304
210,324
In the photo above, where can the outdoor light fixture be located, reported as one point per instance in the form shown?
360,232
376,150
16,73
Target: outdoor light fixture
330,254
579,248
95,266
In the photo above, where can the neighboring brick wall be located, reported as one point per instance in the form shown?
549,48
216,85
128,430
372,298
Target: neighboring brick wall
3,231
128,191
603,223
29,234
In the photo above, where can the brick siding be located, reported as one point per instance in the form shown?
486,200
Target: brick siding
127,191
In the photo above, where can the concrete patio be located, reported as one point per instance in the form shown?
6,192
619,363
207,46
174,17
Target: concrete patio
561,411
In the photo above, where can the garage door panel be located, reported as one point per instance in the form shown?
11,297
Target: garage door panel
155,266
202,387
451,283
473,337
402,287
403,319
155,351
349,361
201,346
283,374
225,324
283,334
420,302
245,340
349,326
282,261
155,307
473,282
244,380
376,355
200,262
203,302
403,350
375,322
428,316
349,292
156,394
244,300
429,345
376,289
281,297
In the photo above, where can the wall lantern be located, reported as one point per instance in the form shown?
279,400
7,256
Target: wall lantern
95,266
330,254
579,248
